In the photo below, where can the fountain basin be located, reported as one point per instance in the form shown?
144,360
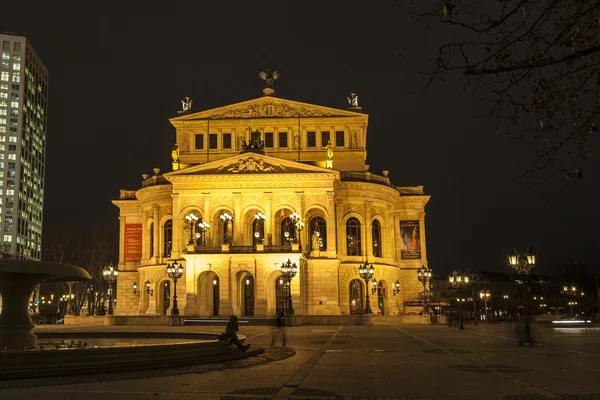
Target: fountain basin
184,349
18,278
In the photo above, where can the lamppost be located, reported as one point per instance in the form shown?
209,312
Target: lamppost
424,276
226,218
110,274
570,292
505,297
288,272
459,280
366,272
523,265
203,226
191,218
485,296
174,271
396,287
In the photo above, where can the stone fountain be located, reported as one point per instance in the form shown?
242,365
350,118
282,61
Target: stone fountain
18,278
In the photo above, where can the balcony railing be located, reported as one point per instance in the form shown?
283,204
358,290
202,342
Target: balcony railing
225,248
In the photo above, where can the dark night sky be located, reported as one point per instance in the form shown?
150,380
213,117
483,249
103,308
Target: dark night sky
118,71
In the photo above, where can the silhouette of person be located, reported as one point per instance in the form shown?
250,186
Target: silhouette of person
231,332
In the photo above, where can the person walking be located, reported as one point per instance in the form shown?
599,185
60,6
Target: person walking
280,330
231,332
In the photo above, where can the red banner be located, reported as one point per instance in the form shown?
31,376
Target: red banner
133,242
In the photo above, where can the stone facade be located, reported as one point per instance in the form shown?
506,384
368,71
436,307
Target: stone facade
235,268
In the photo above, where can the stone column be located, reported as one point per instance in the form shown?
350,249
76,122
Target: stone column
122,241
368,230
300,210
207,212
156,209
177,227
145,241
260,304
391,233
237,218
225,289
363,241
341,227
331,224
268,214
422,237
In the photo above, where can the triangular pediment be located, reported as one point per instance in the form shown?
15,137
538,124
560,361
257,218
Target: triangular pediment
266,107
249,163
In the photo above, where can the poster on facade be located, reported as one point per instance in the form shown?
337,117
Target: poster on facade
133,242
410,236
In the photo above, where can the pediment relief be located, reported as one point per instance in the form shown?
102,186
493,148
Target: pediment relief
270,109
250,164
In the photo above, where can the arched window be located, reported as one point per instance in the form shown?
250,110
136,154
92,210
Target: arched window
168,238
288,231
318,226
353,247
376,235
151,239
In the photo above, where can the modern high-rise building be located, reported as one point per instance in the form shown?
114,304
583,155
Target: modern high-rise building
23,112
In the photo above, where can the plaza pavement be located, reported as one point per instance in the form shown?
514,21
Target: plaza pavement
350,362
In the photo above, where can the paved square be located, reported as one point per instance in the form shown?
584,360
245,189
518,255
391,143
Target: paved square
383,362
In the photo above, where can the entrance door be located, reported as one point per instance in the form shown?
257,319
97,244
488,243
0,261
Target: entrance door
216,289
381,297
248,284
280,294
356,297
166,296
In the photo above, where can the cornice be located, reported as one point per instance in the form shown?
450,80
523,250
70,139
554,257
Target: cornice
280,121
253,177
126,203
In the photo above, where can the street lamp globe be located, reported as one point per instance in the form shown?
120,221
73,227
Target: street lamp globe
530,255
513,257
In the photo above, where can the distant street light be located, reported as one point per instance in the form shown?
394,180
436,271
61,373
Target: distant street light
485,296
424,276
110,274
458,281
523,265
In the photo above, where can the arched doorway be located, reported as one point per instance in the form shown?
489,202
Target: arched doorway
248,295
166,295
280,294
356,296
381,297
216,299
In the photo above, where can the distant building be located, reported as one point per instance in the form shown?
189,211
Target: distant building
23,113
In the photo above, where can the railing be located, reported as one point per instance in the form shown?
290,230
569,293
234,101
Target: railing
383,180
284,248
364,177
207,249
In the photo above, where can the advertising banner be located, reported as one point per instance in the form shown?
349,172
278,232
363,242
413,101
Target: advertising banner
133,242
410,235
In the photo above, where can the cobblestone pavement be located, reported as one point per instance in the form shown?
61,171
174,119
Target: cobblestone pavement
350,362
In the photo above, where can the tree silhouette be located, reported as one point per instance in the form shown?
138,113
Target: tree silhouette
535,62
